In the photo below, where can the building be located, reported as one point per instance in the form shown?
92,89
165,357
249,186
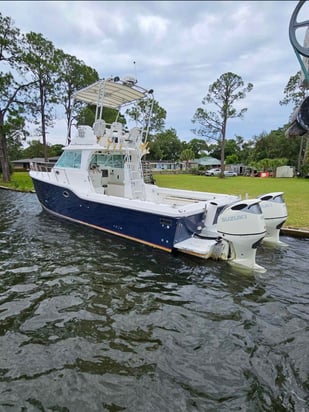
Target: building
207,161
24,164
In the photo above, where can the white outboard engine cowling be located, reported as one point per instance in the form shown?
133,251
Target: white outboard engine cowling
242,224
275,214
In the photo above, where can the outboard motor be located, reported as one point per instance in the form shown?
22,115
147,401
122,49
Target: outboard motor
242,224
275,214
212,211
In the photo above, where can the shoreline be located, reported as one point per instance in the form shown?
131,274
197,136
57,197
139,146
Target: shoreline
294,232
17,190
285,231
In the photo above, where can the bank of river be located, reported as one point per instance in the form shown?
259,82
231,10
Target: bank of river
90,322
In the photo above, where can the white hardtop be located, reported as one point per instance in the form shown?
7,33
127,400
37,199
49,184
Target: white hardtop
112,93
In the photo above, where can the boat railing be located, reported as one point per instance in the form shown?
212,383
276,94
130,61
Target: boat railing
41,166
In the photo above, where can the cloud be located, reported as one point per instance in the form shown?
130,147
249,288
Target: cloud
179,49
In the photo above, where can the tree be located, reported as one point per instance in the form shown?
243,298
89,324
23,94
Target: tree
41,60
37,149
187,155
214,150
73,74
197,146
243,149
141,110
294,92
231,149
15,136
231,159
165,146
276,145
13,91
222,94
56,150
246,151
86,115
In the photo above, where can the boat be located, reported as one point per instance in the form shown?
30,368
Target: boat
98,181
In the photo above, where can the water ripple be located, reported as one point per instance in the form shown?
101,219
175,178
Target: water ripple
90,322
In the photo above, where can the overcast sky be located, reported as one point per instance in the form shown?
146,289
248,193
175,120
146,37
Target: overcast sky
180,48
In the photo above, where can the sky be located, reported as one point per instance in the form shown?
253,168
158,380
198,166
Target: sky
179,48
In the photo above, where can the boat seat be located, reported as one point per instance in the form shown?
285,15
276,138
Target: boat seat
99,127
116,132
135,135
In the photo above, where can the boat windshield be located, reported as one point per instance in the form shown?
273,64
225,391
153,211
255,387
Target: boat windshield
107,160
70,159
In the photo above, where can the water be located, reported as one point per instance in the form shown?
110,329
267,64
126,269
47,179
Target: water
89,322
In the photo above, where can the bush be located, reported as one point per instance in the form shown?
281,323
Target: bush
195,171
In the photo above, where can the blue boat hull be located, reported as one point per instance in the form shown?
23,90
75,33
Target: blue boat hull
155,230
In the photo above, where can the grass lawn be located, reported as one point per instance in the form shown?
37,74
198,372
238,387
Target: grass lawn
296,191
19,181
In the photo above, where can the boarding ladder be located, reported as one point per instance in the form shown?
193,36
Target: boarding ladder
148,177
136,174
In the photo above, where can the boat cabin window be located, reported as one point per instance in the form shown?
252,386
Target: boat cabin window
70,159
107,160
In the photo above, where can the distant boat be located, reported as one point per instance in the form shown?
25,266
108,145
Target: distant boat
98,182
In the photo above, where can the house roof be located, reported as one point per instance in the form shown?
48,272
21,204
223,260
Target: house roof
208,161
35,159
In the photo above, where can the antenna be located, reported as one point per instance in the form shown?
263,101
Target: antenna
135,69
